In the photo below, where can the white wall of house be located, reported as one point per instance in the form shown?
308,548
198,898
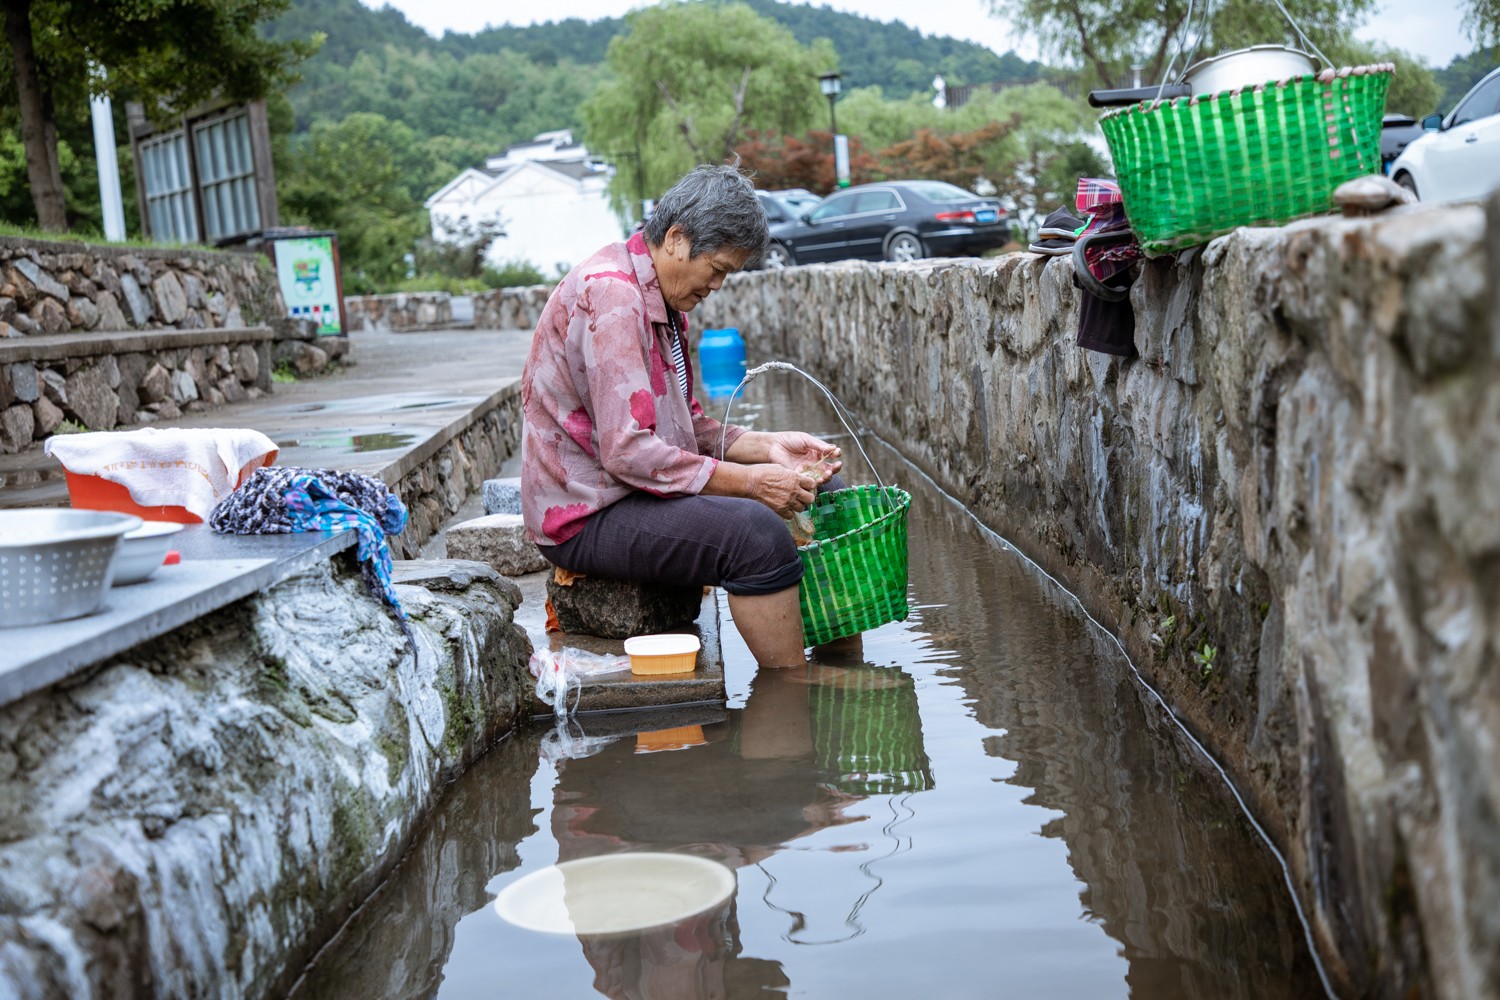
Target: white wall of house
552,219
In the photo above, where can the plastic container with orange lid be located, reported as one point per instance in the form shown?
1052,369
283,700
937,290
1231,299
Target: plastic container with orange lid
667,653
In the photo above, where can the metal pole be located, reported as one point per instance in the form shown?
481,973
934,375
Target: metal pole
111,203
833,119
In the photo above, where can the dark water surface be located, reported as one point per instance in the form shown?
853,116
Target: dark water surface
986,805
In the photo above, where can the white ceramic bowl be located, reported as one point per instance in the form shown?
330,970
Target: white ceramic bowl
142,551
615,893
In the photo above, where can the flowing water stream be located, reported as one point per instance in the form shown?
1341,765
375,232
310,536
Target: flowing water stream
986,803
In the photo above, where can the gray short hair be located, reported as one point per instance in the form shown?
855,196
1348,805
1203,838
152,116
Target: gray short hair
716,207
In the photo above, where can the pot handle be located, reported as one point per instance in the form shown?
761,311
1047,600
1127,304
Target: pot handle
1134,95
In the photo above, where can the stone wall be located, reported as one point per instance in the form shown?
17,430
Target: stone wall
401,311
196,817
99,382
104,337
511,308
1288,508
61,287
435,480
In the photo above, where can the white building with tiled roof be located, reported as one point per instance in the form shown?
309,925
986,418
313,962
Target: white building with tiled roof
548,194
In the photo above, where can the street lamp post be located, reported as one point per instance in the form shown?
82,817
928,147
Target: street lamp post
829,84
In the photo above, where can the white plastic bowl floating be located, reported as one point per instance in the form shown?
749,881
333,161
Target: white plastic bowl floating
56,563
615,893
668,653
142,551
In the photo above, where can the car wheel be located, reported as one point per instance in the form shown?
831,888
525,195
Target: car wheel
1404,179
777,257
904,247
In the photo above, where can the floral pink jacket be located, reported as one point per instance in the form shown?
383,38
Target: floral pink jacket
604,415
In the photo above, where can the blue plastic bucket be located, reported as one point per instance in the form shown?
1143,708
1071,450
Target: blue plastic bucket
721,360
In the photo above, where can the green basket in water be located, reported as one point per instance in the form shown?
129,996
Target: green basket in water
855,566
867,733
1195,168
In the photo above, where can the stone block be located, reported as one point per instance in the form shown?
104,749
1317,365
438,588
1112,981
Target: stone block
43,281
619,609
110,316
502,496
50,316
24,382
17,424
499,540
136,299
91,399
82,313
48,416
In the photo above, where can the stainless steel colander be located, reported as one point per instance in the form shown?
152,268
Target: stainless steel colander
56,563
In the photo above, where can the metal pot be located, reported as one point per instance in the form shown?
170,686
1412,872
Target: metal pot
1241,68
1247,68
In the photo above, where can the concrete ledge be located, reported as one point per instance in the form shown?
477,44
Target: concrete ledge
216,570
53,347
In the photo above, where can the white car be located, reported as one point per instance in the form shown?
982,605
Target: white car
1458,159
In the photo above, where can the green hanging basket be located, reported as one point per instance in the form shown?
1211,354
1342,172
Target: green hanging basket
1195,168
855,566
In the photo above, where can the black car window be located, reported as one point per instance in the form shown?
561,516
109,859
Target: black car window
1481,104
942,191
839,204
877,201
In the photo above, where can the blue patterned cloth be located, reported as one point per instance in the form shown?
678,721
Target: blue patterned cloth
312,506
278,500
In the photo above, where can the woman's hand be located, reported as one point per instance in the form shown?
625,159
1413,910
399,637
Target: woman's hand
783,490
801,452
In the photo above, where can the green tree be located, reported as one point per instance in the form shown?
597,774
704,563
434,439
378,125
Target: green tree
1105,37
690,80
169,54
1482,21
356,178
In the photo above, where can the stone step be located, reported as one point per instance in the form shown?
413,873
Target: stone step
502,496
48,493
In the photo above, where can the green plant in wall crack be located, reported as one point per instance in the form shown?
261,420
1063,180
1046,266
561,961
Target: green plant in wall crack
284,372
1166,630
1206,657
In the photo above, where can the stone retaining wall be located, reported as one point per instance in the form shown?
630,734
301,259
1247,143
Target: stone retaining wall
196,817
401,311
102,382
1288,508
103,337
511,308
434,481
61,287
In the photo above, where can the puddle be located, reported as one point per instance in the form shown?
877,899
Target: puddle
358,443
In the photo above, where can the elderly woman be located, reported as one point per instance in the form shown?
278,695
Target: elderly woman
619,474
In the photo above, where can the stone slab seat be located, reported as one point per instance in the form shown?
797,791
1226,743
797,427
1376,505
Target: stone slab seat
619,609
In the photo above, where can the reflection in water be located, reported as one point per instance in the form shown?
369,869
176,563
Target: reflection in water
984,805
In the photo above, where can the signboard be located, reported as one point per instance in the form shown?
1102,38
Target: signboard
309,283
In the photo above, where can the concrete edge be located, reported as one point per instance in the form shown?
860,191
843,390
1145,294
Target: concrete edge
54,346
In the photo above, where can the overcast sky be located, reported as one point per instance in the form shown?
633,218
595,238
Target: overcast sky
1426,28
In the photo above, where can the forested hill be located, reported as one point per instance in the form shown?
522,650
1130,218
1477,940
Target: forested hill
898,59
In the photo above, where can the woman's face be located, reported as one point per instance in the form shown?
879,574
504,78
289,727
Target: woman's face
687,280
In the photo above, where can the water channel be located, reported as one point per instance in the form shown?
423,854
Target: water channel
1032,824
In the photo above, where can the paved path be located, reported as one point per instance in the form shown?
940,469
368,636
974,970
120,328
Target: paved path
394,391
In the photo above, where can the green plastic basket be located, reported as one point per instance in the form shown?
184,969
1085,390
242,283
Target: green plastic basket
867,733
1196,168
855,566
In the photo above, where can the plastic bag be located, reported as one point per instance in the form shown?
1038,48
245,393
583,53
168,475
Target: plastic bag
560,671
